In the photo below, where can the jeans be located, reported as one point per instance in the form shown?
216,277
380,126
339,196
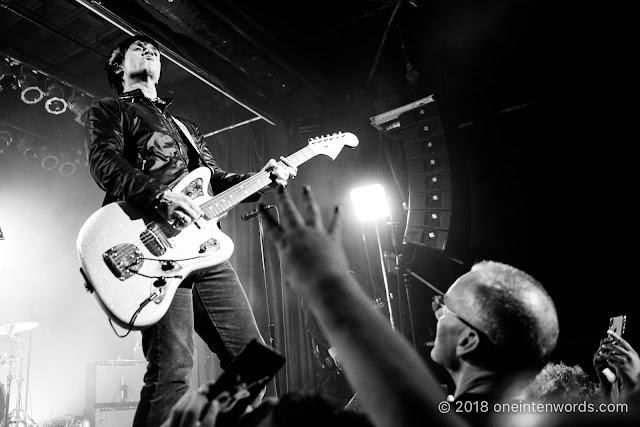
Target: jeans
214,304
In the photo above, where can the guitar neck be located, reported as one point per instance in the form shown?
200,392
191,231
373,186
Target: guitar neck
223,202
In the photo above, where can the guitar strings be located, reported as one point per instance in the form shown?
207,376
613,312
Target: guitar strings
208,206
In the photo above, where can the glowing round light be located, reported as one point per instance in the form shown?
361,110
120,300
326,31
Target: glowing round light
31,93
370,202
55,104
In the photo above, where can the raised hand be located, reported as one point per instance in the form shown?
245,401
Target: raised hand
194,410
309,252
624,359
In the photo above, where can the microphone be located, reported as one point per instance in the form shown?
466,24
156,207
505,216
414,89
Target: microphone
248,215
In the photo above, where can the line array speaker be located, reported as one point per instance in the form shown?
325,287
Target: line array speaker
419,128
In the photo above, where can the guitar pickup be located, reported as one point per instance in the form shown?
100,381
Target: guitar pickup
154,240
209,244
123,260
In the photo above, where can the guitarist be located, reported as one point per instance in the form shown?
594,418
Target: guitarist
136,153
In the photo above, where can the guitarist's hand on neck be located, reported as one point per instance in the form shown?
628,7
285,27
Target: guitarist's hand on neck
178,209
280,174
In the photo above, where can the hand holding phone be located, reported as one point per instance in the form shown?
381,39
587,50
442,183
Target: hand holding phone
241,383
616,325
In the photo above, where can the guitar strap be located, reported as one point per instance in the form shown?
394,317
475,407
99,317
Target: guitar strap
186,135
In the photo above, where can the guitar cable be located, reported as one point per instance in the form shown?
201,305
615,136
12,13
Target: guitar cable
135,315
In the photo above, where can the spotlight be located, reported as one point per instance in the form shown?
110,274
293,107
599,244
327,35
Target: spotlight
79,104
28,149
5,140
55,104
8,80
370,202
67,165
49,158
31,93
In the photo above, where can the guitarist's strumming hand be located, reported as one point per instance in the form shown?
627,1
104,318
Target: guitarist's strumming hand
279,173
178,209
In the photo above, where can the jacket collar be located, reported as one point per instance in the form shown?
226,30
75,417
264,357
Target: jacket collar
136,95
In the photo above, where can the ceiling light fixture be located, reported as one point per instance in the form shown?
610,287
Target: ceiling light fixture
5,140
67,167
8,79
49,158
79,104
31,92
28,149
55,104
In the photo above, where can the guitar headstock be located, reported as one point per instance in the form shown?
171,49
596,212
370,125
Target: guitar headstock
331,145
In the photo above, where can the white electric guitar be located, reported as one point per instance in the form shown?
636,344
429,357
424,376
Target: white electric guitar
134,264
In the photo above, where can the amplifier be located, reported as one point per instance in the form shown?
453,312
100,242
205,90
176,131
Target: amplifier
120,415
114,381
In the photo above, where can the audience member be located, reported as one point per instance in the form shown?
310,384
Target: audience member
558,382
616,409
291,410
392,381
616,354
497,327
494,323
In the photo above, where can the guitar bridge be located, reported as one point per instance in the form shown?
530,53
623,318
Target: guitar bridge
123,260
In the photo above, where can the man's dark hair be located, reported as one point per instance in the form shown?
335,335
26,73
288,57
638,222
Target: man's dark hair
113,65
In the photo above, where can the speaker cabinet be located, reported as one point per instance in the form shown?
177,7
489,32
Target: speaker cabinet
419,128
114,381
111,415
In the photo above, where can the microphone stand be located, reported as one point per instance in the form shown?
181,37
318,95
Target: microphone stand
267,288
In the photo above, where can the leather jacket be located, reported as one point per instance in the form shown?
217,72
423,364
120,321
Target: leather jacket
136,151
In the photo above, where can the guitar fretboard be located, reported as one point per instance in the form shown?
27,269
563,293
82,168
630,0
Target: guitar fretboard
229,198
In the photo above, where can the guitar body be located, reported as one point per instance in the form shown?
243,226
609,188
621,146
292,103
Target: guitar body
127,258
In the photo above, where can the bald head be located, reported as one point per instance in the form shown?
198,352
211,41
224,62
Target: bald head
512,309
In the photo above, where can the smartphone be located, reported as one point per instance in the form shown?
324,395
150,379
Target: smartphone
617,324
242,381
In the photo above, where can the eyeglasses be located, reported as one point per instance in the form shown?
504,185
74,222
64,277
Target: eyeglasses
439,309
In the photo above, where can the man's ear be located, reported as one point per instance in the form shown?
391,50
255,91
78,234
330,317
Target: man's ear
467,342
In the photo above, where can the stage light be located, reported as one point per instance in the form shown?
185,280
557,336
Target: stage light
49,158
67,165
8,79
5,140
55,104
31,92
370,202
79,104
28,149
